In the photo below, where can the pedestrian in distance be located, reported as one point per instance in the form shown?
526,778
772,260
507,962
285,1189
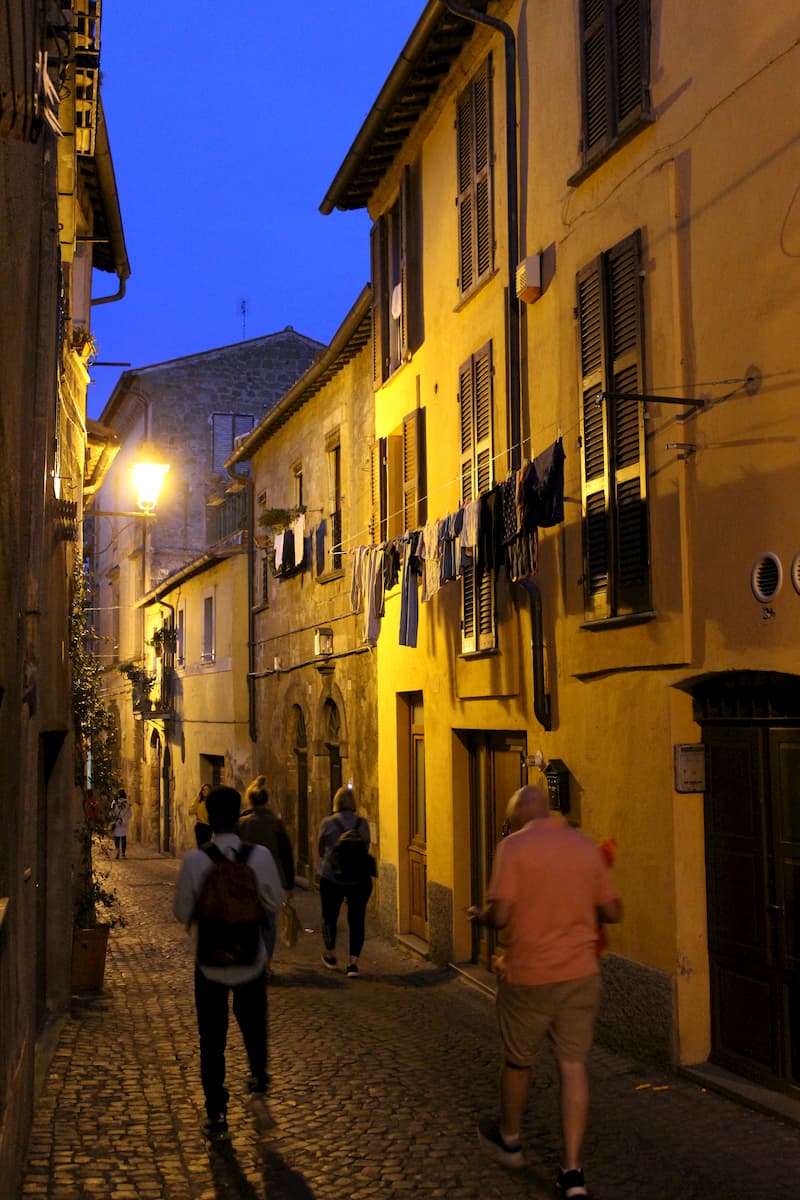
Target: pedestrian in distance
345,874
224,889
197,809
120,819
260,825
549,885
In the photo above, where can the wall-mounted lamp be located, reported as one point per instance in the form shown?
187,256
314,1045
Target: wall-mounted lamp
148,476
323,642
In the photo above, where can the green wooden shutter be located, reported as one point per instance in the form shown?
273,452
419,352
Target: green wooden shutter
380,306
594,437
631,566
616,54
414,500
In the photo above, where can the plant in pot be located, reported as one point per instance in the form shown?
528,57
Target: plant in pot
163,639
96,907
142,684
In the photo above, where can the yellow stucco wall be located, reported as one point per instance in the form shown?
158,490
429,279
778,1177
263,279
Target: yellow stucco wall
712,186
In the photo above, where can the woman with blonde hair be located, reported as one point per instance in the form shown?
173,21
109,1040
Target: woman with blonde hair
345,875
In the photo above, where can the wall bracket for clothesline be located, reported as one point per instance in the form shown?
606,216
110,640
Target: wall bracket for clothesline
647,399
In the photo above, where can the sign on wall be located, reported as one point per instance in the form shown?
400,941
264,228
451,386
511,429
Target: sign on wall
689,760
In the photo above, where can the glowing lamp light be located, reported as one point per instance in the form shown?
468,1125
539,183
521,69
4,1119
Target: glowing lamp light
148,478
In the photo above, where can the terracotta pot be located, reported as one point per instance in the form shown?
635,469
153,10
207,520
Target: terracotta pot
89,958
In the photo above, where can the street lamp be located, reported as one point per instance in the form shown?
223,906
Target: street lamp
148,472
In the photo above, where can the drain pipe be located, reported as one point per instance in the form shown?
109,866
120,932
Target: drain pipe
512,303
542,707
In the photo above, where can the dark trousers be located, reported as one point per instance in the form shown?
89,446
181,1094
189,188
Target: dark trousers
332,896
121,842
250,1011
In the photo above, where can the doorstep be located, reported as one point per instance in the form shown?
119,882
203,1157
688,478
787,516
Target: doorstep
735,1087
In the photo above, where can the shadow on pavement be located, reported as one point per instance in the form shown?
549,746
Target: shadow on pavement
280,1181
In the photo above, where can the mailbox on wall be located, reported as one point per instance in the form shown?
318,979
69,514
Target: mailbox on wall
557,775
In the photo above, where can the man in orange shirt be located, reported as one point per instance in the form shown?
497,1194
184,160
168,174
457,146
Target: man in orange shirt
549,885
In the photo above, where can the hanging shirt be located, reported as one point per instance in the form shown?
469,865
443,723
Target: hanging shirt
278,553
409,599
357,582
429,551
545,486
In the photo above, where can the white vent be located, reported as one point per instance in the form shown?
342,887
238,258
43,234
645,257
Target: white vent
796,573
766,577
529,279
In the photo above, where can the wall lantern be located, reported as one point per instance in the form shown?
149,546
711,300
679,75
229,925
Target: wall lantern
323,642
148,477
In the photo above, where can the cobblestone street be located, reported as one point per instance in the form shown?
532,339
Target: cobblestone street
377,1086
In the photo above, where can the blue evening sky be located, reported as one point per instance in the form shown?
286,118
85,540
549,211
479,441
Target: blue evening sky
227,123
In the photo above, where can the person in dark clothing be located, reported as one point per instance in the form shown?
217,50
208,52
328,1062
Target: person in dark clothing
259,825
332,893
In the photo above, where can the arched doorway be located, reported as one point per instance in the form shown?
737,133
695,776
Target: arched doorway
332,733
304,850
154,788
166,792
751,731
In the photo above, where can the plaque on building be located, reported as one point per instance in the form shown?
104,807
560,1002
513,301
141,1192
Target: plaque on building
690,767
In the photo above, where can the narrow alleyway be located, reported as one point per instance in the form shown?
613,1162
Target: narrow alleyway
377,1087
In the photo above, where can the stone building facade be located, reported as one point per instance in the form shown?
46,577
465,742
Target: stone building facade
191,410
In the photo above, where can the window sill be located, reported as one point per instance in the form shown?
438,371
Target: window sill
640,618
588,168
478,287
330,576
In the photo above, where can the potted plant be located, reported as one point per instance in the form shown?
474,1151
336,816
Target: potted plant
142,684
96,908
163,639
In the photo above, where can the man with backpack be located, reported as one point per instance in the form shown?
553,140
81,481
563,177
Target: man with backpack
225,889
345,875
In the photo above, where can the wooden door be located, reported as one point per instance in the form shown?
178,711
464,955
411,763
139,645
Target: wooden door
753,876
417,826
498,769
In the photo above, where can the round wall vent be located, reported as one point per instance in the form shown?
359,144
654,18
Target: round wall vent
766,577
796,573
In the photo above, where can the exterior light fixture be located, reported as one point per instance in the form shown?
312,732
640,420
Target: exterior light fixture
323,642
148,477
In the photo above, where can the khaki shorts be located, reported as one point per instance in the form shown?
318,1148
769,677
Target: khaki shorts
566,1011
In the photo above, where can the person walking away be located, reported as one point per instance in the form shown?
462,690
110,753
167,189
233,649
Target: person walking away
224,889
260,825
549,884
197,809
120,819
345,875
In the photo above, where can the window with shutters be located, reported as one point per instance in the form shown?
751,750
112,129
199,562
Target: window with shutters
333,454
616,574
475,167
475,387
225,429
208,650
396,264
615,74
397,479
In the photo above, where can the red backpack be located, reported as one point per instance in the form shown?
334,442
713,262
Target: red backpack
229,913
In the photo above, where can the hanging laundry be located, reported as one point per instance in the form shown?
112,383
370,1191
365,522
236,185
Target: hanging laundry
357,582
299,537
373,594
278,560
391,565
544,487
409,599
430,551
449,533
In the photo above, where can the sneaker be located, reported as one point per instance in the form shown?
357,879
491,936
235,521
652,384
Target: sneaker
329,960
570,1184
257,1087
216,1129
493,1143
351,970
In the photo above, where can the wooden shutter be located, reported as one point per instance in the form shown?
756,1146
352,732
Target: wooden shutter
616,572
594,459
477,476
414,500
631,567
380,304
377,523
465,137
484,232
631,60
411,259
615,69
